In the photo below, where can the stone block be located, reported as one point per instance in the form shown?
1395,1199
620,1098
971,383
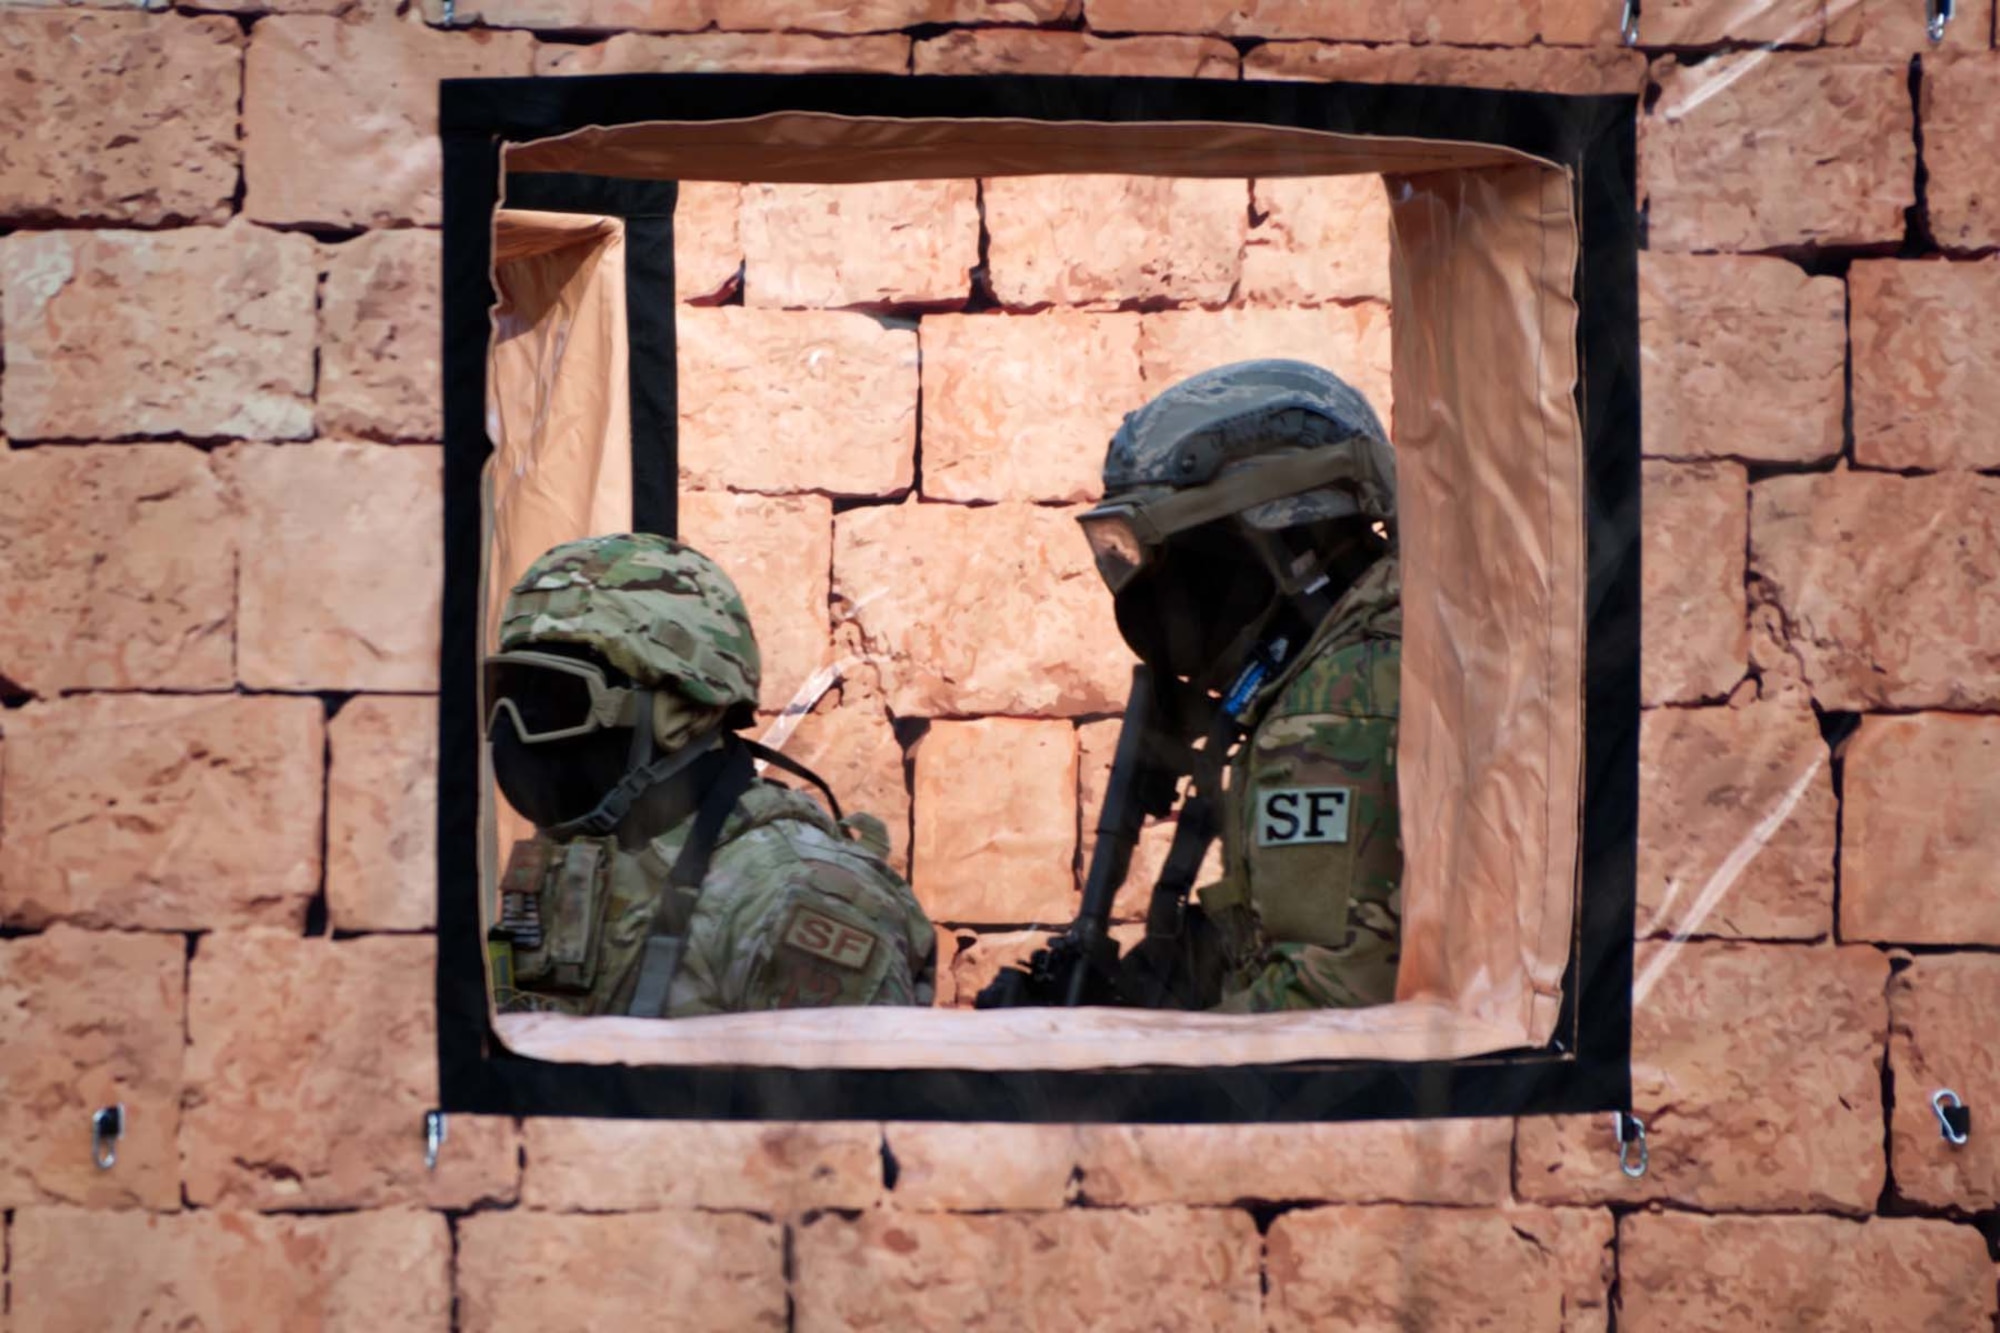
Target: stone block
1888,25
995,804
1108,241
180,812
1747,358
729,53
778,550
973,1168
1351,341
850,740
1918,839
1596,71
94,1019
381,814
323,147
380,343
123,569
1709,22
1962,145
1688,1274
523,1272
761,17
787,401
1757,1070
1440,1268
126,118
1926,364
1168,1269
1736,830
1316,239
1466,22
341,577
1754,150
197,331
1883,583
1042,51
708,245
1022,407
227,1272
621,1166
310,1064
1941,1037
871,244
974,611
1692,538
1457,1162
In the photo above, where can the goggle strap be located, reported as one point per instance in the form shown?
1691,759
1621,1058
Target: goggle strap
1156,520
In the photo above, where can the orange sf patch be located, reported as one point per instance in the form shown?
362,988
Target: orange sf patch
823,937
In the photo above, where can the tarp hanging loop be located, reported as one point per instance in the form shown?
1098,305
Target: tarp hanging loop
1938,14
1954,1120
107,1126
434,1136
1628,26
1631,1131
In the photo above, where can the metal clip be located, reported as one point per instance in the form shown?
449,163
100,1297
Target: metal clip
1630,1129
434,1135
107,1126
1954,1121
1937,14
1628,26
450,14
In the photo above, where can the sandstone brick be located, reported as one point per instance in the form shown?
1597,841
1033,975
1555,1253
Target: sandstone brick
379,365
995,803
646,1165
344,594
1736,833
119,118
1757,1070
1603,70
778,550
310,1064
1031,51
94,1019
729,53
520,1272
321,146
755,16
1351,341
1693,538
1692,1274
1421,1162
1706,22
981,1168
1168,1269
1105,241
183,812
872,244
1581,23
1940,1036
708,247
1495,1268
1918,839
1886,25
1317,239
1469,22
381,813
1961,148
1097,747
1753,150
1747,357
202,331
226,1272
122,568
1883,582
1022,407
783,401
1926,364
990,610
850,740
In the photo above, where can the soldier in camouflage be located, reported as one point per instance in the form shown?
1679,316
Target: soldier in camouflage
1248,536
665,878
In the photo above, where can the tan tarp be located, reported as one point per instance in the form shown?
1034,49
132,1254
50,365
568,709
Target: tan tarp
1490,457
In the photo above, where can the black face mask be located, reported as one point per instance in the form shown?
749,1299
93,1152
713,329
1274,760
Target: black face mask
1187,613
557,781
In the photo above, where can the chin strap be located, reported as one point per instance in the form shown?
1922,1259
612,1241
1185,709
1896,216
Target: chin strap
642,773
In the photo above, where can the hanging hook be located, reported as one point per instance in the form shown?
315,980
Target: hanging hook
1631,1130
1628,26
107,1126
434,1135
1939,13
1955,1120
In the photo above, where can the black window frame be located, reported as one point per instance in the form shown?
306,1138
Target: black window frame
1585,1068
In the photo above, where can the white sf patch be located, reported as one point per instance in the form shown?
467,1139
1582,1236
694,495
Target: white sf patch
1294,816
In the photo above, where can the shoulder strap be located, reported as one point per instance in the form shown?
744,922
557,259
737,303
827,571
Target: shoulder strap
793,766
691,866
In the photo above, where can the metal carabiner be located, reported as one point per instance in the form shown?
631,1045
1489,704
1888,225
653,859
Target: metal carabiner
1628,26
1937,14
107,1126
1630,1129
1956,1129
434,1135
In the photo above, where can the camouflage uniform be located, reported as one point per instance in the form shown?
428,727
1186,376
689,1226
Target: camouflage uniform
794,910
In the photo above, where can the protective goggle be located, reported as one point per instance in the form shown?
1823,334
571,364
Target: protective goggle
1126,535
551,698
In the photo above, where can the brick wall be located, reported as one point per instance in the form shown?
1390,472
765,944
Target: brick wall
220,517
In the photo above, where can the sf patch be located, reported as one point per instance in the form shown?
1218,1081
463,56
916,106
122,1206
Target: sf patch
823,937
1298,816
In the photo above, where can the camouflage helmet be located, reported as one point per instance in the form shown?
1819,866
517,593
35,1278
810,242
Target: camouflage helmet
656,609
1206,426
